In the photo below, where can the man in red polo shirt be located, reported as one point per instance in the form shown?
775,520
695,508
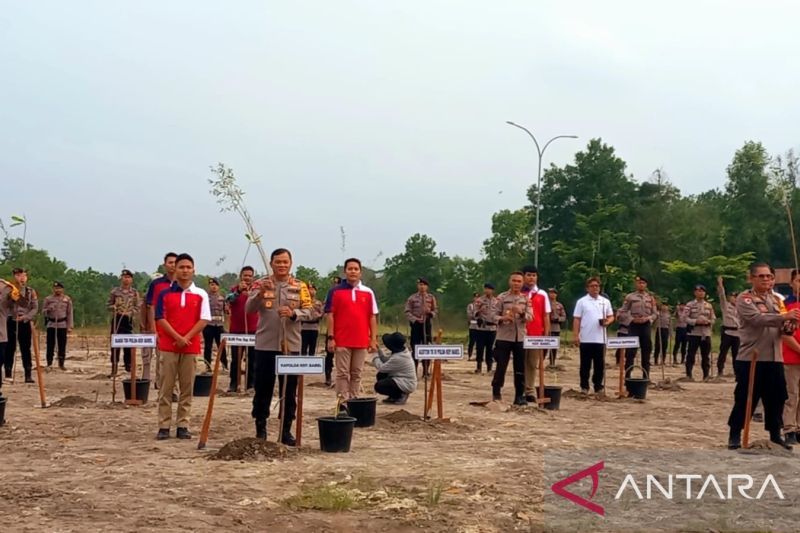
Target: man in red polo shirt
182,311
538,326
352,313
242,323
156,287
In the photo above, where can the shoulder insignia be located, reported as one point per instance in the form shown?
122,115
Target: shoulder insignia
747,300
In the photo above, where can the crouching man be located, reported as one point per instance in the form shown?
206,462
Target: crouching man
397,375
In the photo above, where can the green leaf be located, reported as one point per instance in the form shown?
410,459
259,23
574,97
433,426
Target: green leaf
18,219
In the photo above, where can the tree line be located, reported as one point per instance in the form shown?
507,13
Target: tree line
596,219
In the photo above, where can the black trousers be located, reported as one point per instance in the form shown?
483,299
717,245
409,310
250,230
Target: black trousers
308,338
680,344
592,360
553,353
328,364
421,333
473,339
124,325
727,342
265,386
769,386
18,333
2,358
485,347
211,335
503,350
56,336
645,345
236,354
387,386
662,340
704,344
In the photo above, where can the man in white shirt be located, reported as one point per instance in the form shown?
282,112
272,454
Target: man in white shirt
593,314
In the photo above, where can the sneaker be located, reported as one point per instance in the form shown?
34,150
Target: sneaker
163,434
183,433
401,400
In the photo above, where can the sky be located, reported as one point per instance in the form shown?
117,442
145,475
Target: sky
386,119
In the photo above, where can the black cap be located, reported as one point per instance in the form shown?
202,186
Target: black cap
424,281
215,281
552,289
488,285
642,278
18,270
58,284
126,272
396,342
701,287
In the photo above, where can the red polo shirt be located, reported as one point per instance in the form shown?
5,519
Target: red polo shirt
790,357
540,303
238,324
182,309
352,309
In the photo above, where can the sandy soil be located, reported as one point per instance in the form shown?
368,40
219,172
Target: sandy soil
85,464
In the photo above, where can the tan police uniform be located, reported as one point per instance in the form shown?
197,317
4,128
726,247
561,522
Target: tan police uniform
699,335
59,318
516,312
640,305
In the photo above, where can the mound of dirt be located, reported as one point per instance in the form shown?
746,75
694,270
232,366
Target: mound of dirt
578,395
401,416
99,376
250,449
668,385
72,401
764,446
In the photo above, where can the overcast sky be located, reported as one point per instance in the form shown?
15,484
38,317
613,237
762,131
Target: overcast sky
385,119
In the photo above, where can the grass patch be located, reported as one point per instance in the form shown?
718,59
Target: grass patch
434,493
322,499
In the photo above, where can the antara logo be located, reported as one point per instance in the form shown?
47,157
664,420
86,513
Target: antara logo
737,485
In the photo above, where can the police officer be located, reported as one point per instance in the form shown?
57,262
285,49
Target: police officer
309,327
472,326
663,326
125,304
8,294
643,311
700,319
57,311
281,302
420,308
729,340
486,328
512,311
681,328
20,324
558,317
213,331
762,324
623,319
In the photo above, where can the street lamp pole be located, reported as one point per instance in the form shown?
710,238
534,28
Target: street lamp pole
540,152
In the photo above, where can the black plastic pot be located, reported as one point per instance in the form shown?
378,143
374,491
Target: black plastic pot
363,410
2,410
554,393
637,387
202,385
335,433
142,389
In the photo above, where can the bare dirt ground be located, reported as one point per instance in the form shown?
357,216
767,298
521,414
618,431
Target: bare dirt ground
84,464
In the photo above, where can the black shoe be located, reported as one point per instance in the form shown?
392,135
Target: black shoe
174,399
520,400
163,434
477,370
261,429
61,366
288,439
735,440
530,398
776,437
183,433
388,400
401,400
497,397
29,379
791,438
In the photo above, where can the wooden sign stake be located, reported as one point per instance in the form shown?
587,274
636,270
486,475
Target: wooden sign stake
39,373
210,409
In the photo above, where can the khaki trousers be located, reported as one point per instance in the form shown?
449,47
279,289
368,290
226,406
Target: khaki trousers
791,409
531,368
176,367
348,363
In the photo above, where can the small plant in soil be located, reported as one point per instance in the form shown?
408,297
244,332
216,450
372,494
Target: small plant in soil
322,499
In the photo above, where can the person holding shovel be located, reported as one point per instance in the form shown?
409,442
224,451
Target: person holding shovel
641,304
763,324
700,318
124,302
57,310
282,303
212,333
20,324
8,294
420,309
486,328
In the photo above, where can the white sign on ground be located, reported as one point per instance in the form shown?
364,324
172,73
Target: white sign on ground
239,339
133,340
614,343
294,365
438,351
539,343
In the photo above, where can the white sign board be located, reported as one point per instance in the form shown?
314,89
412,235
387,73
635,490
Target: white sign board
133,340
239,339
439,351
538,343
615,343
294,365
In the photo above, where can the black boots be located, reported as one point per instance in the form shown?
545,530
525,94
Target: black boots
261,429
735,440
287,438
791,438
775,436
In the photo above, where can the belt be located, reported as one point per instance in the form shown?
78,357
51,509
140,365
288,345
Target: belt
58,319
